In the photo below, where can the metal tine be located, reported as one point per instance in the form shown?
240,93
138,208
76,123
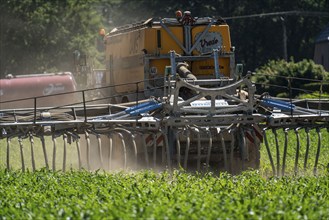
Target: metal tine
135,147
188,143
22,153
231,131
8,152
277,151
167,150
64,151
297,150
132,136
99,143
43,143
110,151
244,151
145,151
154,136
268,151
315,169
124,150
253,133
198,149
88,149
54,152
209,148
178,150
163,149
285,151
32,151
307,130
77,140
224,148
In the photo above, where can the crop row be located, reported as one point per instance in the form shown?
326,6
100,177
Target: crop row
179,195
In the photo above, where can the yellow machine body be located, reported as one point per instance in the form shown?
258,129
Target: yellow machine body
140,52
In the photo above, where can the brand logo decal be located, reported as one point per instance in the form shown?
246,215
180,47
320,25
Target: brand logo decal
210,41
53,88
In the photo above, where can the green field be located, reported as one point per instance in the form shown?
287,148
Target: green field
178,195
85,195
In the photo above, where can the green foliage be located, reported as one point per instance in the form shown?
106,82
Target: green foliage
38,36
305,77
84,195
314,95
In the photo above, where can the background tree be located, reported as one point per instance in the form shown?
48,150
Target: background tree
280,78
38,36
